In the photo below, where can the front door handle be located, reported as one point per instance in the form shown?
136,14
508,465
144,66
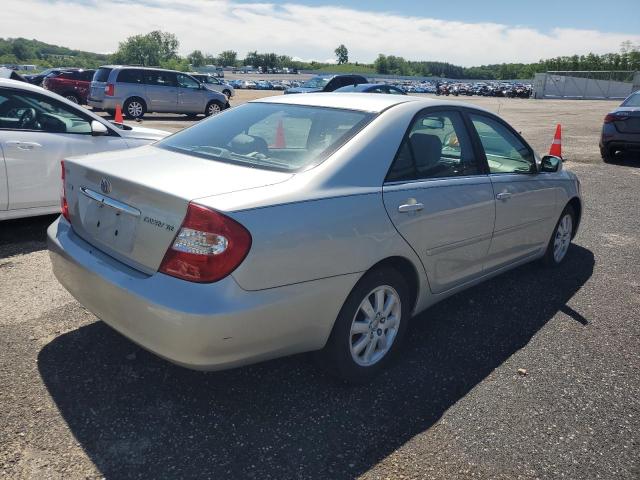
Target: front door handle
410,207
503,195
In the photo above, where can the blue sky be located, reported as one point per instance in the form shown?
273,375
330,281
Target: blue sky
463,32
616,16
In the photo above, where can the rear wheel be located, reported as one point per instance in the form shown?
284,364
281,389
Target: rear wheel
370,326
134,108
607,154
561,238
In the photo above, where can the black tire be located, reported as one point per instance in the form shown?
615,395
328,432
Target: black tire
227,93
211,108
72,97
337,354
606,154
134,108
549,258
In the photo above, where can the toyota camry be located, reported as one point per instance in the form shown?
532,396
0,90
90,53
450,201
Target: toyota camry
319,222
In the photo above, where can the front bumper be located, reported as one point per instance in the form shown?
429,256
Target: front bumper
201,326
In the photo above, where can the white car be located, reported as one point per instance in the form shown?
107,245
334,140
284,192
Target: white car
215,84
39,128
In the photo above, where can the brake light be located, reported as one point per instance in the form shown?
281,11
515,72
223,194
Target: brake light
208,247
110,90
615,117
64,207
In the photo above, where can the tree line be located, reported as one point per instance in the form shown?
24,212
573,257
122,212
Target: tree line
159,48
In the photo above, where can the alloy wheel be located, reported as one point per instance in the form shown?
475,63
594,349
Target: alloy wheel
375,325
134,109
563,238
214,109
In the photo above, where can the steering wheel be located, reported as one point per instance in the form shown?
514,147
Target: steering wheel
28,118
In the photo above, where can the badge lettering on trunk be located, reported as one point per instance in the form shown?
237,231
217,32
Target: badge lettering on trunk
105,186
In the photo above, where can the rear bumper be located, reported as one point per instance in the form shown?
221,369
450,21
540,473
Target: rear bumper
107,103
201,326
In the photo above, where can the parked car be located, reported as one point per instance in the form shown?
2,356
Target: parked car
306,222
245,84
36,79
73,85
39,128
372,88
140,90
621,129
212,83
329,83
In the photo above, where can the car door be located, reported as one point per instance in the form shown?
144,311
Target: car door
4,191
440,199
525,198
162,91
190,95
36,133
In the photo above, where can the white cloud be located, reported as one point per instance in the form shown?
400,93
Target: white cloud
296,30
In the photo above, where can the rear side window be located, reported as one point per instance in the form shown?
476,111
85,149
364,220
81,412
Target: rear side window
160,78
437,146
102,75
130,76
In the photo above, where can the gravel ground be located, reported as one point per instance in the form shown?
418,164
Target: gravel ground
77,400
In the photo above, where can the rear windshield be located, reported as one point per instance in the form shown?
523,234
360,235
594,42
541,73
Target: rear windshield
316,82
102,74
632,101
270,135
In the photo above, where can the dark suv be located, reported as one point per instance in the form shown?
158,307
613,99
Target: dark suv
323,83
72,85
621,129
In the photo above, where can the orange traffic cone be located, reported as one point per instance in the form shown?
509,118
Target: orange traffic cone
118,116
556,145
280,142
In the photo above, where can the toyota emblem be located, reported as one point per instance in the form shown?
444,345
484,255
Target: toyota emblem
105,186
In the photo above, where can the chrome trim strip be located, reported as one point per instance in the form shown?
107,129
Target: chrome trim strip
110,202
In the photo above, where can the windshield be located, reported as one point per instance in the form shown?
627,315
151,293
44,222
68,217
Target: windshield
270,135
632,101
316,82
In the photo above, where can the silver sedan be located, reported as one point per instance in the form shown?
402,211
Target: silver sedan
306,222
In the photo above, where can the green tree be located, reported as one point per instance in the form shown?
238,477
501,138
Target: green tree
227,58
342,54
150,49
196,58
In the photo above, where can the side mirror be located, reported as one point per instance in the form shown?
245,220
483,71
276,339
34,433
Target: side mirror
98,129
550,163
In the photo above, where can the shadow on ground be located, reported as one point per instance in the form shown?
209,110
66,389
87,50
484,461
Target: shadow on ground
137,416
24,235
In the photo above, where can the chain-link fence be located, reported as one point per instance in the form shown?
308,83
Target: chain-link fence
587,85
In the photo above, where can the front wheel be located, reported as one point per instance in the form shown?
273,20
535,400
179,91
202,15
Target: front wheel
561,238
71,97
213,108
227,93
370,326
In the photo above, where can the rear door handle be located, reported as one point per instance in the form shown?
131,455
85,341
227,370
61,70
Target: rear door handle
23,145
503,195
410,207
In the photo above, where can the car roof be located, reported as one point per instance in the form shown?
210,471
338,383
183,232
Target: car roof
366,102
140,67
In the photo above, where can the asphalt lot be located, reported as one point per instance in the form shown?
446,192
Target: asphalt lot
77,400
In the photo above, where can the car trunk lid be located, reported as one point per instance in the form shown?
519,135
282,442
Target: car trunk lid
99,83
130,204
631,122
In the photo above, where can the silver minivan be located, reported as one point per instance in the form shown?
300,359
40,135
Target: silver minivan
139,90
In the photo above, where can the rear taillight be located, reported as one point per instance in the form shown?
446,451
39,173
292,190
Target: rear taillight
208,247
64,207
110,90
615,117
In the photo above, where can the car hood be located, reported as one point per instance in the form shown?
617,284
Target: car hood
143,133
302,90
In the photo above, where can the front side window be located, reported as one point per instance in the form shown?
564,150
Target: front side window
505,152
185,81
29,111
270,136
437,146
